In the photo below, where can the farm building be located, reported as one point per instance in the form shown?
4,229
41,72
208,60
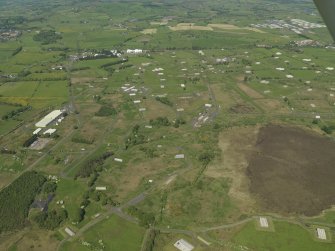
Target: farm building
51,117
49,131
263,222
101,188
321,233
69,231
37,131
183,245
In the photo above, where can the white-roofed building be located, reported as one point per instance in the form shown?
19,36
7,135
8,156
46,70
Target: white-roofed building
50,131
321,233
52,116
69,231
37,131
263,222
183,245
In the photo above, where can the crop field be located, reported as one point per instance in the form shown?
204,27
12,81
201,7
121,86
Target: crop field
179,119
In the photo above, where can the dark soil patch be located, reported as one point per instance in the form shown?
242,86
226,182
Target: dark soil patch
293,170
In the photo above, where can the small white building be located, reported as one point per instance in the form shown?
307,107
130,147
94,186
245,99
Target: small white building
263,222
37,131
135,51
50,131
183,245
179,156
321,233
69,231
101,188
52,116
118,160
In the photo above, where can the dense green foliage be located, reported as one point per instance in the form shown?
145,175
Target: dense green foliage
150,240
135,138
164,100
47,37
51,219
17,198
93,165
105,111
16,112
146,219
160,121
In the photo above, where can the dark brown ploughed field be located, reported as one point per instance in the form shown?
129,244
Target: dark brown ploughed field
293,170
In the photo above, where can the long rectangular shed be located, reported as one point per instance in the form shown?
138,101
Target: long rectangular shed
52,116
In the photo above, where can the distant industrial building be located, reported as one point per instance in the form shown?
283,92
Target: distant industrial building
183,245
48,119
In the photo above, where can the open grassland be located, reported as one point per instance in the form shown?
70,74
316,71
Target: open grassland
286,237
112,234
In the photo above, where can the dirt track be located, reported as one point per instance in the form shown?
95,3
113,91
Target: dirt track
293,171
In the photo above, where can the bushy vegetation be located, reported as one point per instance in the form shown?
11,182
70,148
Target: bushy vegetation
47,37
52,219
164,100
80,139
16,112
135,138
150,240
105,111
17,198
146,219
160,121
93,165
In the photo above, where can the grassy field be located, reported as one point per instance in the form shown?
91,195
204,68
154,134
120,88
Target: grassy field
112,234
286,237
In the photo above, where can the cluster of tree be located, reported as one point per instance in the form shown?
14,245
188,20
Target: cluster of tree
121,61
23,74
122,67
93,165
7,151
80,68
17,198
135,138
179,122
17,51
150,240
51,219
206,157
11,22
47,37
30,140
80,139
146,219
164,100
328,129
106,110
49,187
16,112
160,121
149,152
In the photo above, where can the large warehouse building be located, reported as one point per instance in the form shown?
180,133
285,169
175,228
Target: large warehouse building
52,116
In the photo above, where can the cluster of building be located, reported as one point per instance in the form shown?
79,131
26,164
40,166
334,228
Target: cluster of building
54,117
307,42
134,51
296,25
9,34
96,55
